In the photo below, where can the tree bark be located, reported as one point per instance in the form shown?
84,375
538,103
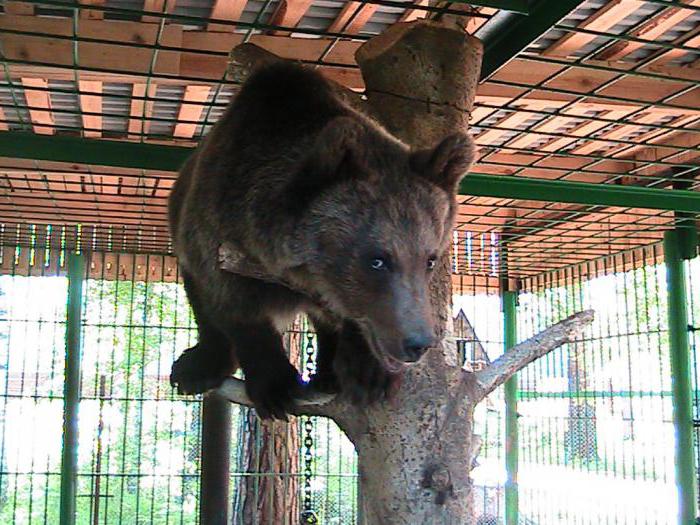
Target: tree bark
417,449
271,494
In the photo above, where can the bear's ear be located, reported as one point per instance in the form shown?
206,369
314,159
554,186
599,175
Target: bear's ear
337,148
336,156
445,164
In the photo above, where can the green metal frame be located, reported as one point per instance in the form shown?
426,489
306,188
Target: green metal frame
510,331
507,34
170,158
71,389
680,372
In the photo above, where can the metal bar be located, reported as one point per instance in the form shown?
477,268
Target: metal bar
680,372
507,34
71,389
170,158
92,151
214,474
484,185
510,339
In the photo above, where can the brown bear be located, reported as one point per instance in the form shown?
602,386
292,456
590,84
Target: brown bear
320,196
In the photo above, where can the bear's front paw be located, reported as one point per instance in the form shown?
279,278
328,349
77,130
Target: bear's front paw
274,391
362,378
196,372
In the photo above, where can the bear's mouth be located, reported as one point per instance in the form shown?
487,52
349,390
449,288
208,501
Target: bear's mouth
388,361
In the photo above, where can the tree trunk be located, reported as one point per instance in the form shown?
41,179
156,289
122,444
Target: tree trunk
421,80
272,452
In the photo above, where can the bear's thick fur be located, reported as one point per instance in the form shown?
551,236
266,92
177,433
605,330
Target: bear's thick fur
321,197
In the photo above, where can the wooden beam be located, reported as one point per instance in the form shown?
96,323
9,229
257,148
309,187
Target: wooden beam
191,110
230,10
40,105
58,52
91,103
18,8
606,17
92,14
288,14
345,22
652,29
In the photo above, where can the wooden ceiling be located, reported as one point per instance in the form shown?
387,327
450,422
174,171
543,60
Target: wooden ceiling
609,96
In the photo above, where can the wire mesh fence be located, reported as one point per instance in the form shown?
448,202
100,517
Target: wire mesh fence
594,418
596,432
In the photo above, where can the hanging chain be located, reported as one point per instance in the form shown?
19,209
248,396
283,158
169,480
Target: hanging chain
308,516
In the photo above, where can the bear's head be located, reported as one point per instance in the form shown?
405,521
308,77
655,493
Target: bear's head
374,220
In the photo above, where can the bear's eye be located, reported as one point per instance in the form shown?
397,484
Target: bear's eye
379,263
431,263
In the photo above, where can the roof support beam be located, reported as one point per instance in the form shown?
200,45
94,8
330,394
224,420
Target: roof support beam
506,34
169,158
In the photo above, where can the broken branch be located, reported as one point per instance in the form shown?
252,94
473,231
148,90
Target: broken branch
526,352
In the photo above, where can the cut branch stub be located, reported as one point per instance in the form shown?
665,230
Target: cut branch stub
313,403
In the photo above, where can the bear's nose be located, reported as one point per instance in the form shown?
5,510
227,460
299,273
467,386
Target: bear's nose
415,346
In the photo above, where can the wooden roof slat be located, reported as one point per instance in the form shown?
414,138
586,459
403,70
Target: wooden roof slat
585,129
344,21
289,13
611,14
512,121
226,10
414,14
136,123
91,103
652,29
92,14
40,105
4,124
157,6
191,110
615,134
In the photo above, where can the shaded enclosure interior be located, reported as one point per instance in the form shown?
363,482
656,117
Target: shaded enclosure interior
100,101
595,417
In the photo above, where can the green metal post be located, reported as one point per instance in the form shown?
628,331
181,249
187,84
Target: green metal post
680,372
71,389
510,300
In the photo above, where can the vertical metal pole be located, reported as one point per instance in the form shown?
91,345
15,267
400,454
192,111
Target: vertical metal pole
71,389
216,455
680,372
510,301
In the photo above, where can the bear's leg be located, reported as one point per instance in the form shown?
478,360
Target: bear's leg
328,337
272,383
206,364
360,375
